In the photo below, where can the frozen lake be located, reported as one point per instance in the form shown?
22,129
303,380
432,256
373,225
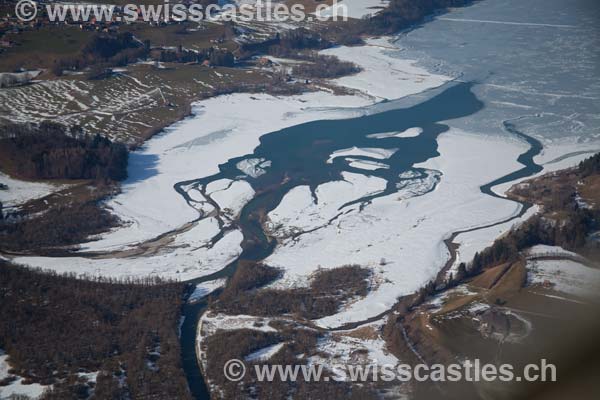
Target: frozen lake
537,61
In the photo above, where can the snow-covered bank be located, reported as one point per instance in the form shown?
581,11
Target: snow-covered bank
476,241
407,232
17,387
556,155
205,288
187,256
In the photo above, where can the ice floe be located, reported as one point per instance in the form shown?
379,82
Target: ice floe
253,167
372,152
410,132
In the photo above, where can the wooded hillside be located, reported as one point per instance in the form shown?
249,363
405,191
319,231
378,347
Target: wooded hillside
54,327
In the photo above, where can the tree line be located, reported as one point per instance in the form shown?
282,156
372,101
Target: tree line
590,166
49,151
216,57
324,67
105,50
60,226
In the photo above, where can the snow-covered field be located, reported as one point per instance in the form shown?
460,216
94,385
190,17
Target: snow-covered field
542,250
565,276
19,191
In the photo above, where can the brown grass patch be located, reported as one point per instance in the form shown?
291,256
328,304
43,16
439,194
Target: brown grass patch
490,277
511,282
363,333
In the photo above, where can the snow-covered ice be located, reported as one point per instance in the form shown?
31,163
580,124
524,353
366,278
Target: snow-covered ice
368,165
253,167
384,75
407,232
